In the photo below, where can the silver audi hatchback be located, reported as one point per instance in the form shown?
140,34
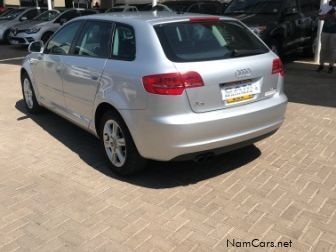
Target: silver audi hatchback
158,86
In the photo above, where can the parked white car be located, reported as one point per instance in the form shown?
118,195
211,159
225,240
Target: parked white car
44,26
16,17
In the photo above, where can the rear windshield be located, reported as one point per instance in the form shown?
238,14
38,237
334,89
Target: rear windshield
189,42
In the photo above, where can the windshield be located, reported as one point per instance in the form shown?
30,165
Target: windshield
190,42
254,7
12,15
47,16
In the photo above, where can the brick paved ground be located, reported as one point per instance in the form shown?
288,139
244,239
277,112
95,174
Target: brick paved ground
56,193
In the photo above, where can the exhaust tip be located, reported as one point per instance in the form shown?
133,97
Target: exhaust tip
204,157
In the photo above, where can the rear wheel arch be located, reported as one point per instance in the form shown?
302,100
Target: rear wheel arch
100,110
132,161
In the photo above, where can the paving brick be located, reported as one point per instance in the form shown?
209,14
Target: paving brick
56,193
291,212
323,246
311,235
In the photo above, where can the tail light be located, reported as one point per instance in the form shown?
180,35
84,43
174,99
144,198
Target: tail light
171,83
278,68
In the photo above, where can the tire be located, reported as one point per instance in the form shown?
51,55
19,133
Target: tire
6,37
46,36
29,95
118,145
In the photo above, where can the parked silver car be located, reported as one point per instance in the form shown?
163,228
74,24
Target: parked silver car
29,31
16,17
43,26
158,86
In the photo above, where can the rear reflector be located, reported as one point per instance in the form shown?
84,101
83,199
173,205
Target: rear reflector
278,68
204,19
171,83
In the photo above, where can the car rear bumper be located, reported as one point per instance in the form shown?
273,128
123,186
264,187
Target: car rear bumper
167,138
204,155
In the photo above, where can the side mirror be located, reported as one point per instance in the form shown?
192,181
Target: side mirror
24,19
36,47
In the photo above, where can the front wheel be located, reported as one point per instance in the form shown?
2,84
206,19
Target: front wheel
118,145
6,37
29,95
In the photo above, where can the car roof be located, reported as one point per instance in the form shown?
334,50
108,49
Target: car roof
149,17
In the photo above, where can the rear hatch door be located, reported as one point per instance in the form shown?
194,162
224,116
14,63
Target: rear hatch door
231,82
236,67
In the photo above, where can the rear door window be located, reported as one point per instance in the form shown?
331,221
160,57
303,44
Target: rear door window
189,41
123,47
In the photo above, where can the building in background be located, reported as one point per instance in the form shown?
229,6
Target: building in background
27,3
70,3
76,3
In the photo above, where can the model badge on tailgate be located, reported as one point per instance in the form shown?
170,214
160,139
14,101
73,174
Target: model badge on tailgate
243,73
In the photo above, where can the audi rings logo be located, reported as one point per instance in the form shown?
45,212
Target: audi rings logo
243,73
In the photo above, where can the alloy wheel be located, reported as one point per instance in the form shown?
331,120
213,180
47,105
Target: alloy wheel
114,143
28,93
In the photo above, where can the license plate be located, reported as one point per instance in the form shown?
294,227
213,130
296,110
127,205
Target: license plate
15,42
235,93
